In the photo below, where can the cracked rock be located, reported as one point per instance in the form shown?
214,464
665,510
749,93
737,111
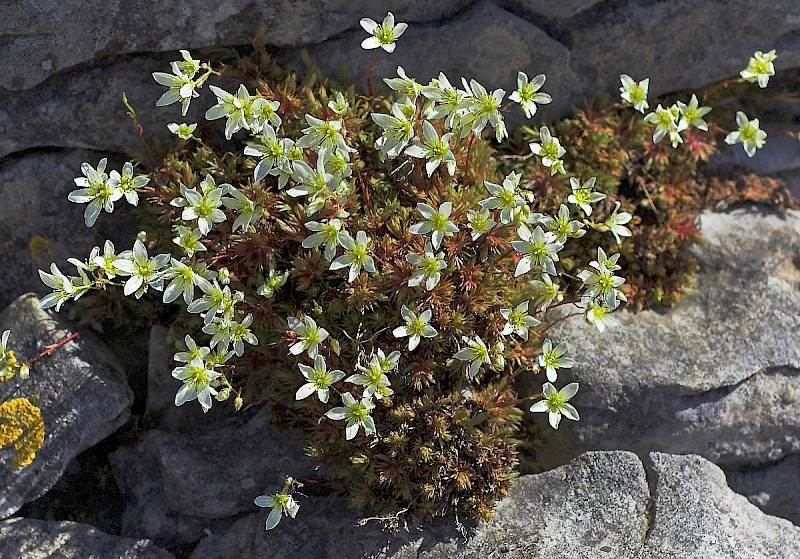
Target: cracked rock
481,37
21,538
39,39
718,374
773,487
82,393
38,225
602,504
182,483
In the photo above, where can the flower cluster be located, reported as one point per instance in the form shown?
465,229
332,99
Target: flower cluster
357,271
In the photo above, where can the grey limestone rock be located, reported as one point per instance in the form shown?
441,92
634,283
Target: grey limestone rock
82,393
718,374
602,504
22,538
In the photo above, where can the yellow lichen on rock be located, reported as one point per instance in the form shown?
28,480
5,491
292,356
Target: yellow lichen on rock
22,426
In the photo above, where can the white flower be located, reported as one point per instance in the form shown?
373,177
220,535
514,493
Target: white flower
552,358
668,122
538,249
184,278
281,504
616,223
555,403
181,88
447,99
479,222
562,227
274,280
249,213
518,320
60,284
339,105
476,353
188,65
582,195
356,255
106,261
216,300
355,413
760,68
126,183
692,114
635,93
319,380
193,351
143,271
550,150
309,336
437,222
205,207
749,134
272,151
7,359
602,284
433,149
600,316
484,107
197,380
504,197
329,234
416,327
405,86
241,110
384,34
527,93
323,134
398,128
183,131
546,292
189,240
428,266
94,189
373,379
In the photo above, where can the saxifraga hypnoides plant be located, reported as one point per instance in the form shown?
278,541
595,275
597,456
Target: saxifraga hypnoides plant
366,277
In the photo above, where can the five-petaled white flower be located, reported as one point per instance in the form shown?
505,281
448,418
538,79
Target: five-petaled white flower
384,34
749,134
550,150
538,249
616,223
479,222
339,105
96,190
126,183
274,280
433,149
319,380
518,320
405,86
635,93
308,336
476,353
356,255
692,114
437,222
144,272
355,413
197,378
556,404
183,131
528,94
416,327
61,285
429,266
668,122
373,379
552,358
504,197
281,504
329,234
599,315
582,194
760,68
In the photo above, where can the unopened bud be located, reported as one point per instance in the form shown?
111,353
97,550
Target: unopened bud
24,371
238,403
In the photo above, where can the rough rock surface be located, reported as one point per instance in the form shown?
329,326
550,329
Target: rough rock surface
531,9
773,487
39,39
680,44
38,225
183,484
483,35
603,504
81,392
718,374
22,538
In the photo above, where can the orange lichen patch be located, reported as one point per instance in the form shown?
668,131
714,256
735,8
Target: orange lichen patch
22,426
